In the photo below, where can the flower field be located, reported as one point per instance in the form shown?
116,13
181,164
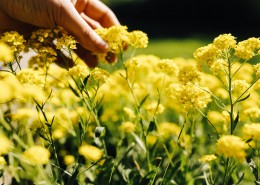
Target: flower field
153,121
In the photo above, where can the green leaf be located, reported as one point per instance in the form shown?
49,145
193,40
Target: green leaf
85,81
243,98
139,141
74,91
152,127
143,100
235,122
100,132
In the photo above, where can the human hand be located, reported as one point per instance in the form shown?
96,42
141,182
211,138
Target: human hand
78,17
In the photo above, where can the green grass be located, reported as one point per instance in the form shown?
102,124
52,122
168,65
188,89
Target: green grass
171,48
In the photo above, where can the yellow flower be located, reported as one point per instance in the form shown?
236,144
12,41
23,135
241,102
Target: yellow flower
168,66
138,39
58,133
193,97
239,86
100,75
189,74
232,146
252,112
31,77
151,139
79,71
115,36
154,108
37,155
129,112
205,54
208,158
2,161
246,49
252,131
5,144
257,70
127,126
66,41
14,40
224,41
69,159
6,54
90,152
25,113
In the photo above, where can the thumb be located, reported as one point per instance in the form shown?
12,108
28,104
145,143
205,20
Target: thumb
68,18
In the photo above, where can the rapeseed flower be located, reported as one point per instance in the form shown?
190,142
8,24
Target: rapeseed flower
239,86
232,146
248,48
2,161
208,158
37,155
90,152
206,54
127,127
6,54
14,40
189,74
69,159
192,97
257,70
79,71
252,112
224,41
31,77
168,66
251,131
138,39
5,144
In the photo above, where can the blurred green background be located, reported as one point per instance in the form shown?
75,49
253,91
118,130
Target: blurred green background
178,27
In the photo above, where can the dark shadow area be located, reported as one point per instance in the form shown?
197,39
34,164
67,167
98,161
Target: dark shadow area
191,18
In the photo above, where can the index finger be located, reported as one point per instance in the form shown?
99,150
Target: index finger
97,11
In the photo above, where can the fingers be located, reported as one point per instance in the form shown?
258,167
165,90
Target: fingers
99,12
92,23
68,17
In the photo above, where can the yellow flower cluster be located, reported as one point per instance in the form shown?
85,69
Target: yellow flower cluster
14,40
6,54
189,74
192,98
248,48
257,70
127,127
168,66
90,152
37,155
208,158
118,39
154,108
252,131
232,146
239,86
6,145
79,71
216,54
31,77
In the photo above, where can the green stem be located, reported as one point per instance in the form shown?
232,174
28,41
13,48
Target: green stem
226,171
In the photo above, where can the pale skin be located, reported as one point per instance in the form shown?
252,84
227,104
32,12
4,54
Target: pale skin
78,17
